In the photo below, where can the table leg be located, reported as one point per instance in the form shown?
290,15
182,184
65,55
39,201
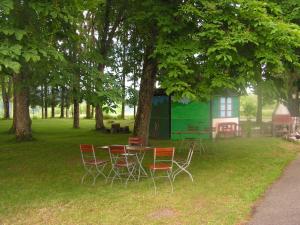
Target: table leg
140,157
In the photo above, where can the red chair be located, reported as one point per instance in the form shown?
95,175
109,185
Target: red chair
122,163
92,165
163,162
139,141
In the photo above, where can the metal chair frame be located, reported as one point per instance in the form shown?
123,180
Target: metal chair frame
167,155
91,165
182,166
199,144
121,163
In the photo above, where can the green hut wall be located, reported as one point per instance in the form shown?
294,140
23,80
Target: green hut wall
160,117
191,116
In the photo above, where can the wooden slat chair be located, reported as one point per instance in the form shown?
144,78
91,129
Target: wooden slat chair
163,162
92,165
123,163
136,141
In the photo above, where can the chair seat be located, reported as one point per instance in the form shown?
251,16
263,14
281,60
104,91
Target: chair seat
97,162
123,163
160,166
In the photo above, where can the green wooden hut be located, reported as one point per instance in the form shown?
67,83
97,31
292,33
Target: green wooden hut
178,119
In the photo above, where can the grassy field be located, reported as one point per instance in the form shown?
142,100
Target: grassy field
40,180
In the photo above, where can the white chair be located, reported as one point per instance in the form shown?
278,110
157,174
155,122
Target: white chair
182,166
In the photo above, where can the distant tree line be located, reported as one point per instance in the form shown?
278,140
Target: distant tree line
61,53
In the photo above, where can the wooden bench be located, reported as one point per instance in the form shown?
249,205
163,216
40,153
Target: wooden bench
227,129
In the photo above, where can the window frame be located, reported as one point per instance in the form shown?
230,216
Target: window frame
227,109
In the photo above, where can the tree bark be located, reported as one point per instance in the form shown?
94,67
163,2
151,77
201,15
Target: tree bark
6,95
123,96
99,118
259,104
52,102
76,114
92,113
67,112
46,101
142,121
88,111
13,127
99,114
43,101
23,121
62,102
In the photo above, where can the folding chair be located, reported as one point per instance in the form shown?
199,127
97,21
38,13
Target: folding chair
92,166
182,166
135,141
163,161
122,163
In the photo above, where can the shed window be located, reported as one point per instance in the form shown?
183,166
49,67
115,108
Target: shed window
225,107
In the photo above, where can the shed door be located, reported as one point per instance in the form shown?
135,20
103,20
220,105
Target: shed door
160,118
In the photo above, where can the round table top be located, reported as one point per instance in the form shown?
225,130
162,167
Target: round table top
133,148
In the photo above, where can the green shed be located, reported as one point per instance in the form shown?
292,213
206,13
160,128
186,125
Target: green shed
191,119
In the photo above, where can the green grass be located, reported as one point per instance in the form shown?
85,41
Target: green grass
40,180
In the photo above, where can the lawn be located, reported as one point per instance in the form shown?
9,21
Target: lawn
40,180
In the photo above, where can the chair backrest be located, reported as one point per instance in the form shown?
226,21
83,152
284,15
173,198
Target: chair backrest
135,141
164,155
87,153
190,154
117,149
115,152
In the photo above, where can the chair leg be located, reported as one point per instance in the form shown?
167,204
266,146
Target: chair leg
130,174
182,169
117,174
108,176
170,179
88,171
152,176
82,179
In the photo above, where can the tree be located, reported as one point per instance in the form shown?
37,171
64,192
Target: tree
6,89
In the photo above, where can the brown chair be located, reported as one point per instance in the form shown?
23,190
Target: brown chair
163,162
123,163
136,141
92,165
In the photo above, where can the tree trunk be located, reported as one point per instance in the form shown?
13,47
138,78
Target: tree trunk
142,121
88,111
23,121
62,102
52,102
76,114
293,103
6,95
13,127
43,101
123,96
92,113
259,104
99,118
99,113
67,112
46,101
